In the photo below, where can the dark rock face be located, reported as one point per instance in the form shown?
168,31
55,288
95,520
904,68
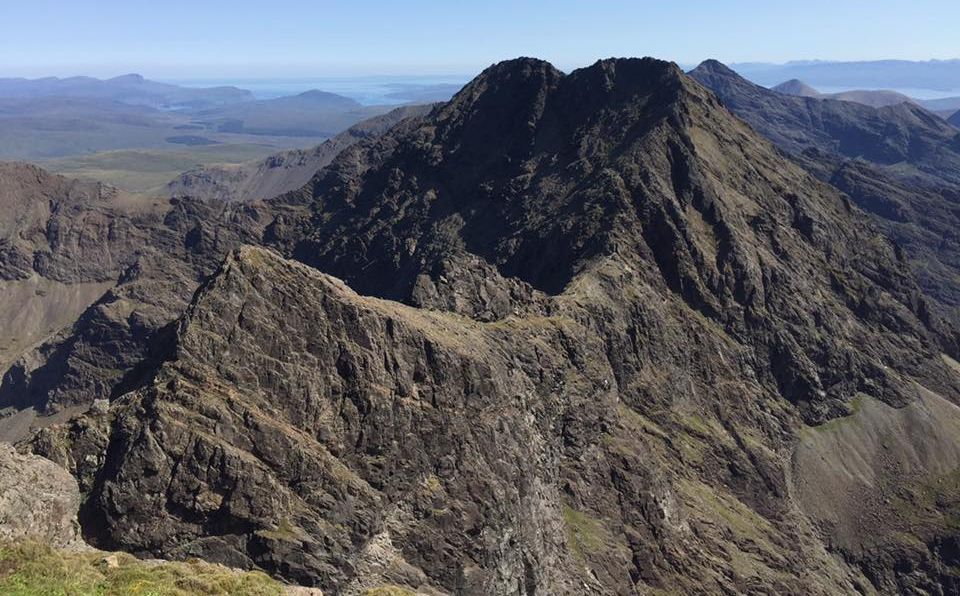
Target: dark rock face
63,234
157,259
901,164
153,252
609,336
63,229
606,162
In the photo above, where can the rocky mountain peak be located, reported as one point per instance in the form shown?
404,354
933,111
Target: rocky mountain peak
535,88
505,170
128,79
796,87
714,67
563,334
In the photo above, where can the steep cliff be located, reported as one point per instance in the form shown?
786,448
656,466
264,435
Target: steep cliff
607,340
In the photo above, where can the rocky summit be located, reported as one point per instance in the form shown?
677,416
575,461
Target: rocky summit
564,334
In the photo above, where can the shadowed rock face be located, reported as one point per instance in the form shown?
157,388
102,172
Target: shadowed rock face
69,241
900,164
153,261
62,229
602,319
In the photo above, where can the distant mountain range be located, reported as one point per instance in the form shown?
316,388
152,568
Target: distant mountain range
76,117
130,89
899,163
309,114
282,172
876,98
936,75
871,97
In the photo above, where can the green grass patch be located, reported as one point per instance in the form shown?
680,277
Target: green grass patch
388,591
856,404
284,531
586,535
744,522
149,170
33,569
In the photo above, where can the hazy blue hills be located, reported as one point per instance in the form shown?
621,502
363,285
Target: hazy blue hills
935,75
131,89
139,134
310,114
877,98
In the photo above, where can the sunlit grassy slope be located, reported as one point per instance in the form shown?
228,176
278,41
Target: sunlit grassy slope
32,569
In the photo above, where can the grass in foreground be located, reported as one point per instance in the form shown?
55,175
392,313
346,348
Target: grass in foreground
32,569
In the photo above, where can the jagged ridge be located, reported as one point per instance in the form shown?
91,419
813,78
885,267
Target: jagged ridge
606,397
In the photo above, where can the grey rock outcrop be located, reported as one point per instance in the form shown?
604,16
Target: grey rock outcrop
38,500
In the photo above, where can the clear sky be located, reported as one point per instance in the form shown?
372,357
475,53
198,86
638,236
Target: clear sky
289,38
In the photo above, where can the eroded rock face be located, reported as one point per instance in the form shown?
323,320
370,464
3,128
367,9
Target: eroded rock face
68,242
539,174
600,314
118,334
900,164
38,500
481,457
112,271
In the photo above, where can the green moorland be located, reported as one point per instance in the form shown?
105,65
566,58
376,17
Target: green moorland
147,171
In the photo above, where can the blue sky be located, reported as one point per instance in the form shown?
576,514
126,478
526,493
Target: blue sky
287,38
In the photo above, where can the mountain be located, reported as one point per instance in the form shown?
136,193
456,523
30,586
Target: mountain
955,119
947,104
941,75
877,98
89,277
309,114
53,262
283,172
887,135
796,87
129,89
898,163
577,362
